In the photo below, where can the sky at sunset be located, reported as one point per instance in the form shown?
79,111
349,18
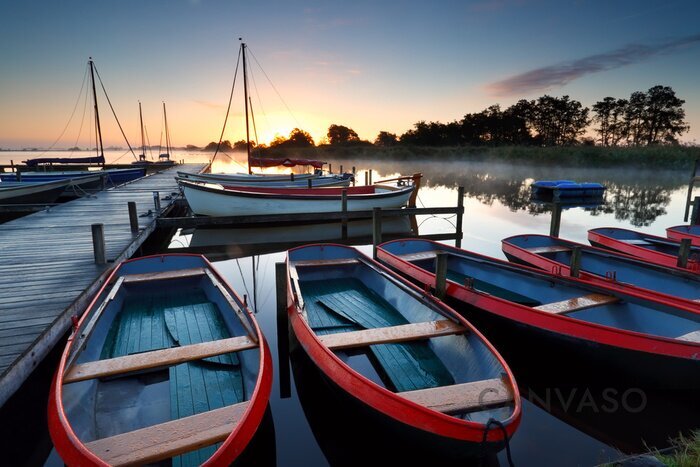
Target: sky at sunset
369,65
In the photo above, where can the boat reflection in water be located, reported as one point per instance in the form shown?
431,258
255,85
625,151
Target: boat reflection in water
350,434
221,243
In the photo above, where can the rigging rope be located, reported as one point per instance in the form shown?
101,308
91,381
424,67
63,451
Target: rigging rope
506,440
114,113
82,122
230,99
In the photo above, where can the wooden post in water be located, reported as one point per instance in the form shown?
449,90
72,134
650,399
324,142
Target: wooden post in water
308,183
282,330
330,168
156,202
341,169
683,253
98,243
695,216
440,274
691,183
460,215
344,209
555,222
376,230
354,175
291,176
133,217
575,265
370,176
366,178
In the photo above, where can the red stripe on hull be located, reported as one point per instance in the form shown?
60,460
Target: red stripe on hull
320,191
676,233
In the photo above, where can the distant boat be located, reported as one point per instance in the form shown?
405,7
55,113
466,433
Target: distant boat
32,193
112,176
287,182
563,189
76,187
164,157
215,200
606,267
421,368
166,364
658,250
679,232
142,160
648,341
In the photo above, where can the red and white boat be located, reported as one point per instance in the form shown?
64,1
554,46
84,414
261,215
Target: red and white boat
166,364
679,232
402,355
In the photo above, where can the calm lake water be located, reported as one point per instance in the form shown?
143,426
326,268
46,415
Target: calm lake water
568,417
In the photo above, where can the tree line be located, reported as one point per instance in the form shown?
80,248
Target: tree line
644,119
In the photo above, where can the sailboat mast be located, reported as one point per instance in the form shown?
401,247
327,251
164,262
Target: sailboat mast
245,92
143,143
97,112
167,135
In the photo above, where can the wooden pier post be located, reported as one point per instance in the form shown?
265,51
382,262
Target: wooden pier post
366,178
376,230
156,202
354,175
98,243
683,253
133,217
440,274
308,183
555,222
341,169
575,264
330,168
693,178
291,176
460,215
344,210
695,216
370,176
282,330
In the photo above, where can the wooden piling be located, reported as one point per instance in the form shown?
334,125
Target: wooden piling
344,210
575,264
695,216
354,175
156,202
282,330
555,222
683,253
370,176
133,217
308,183
460,215
366,178
341,169
291,176
693,178
376,230
98,243
330,168
440,274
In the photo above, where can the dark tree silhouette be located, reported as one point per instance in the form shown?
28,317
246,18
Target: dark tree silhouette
339,134
297,139
558,121
664,116
384,138
225,145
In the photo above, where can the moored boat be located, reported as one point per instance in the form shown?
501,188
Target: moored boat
167,363
216,200
112,176
679,232
651,248
665,283
289,181
403,355
32,193
647,340
563,189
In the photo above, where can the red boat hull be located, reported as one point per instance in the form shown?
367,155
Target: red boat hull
74,452
390,404
679,232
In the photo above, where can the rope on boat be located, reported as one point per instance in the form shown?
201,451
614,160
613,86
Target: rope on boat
228,109
114,113
493,421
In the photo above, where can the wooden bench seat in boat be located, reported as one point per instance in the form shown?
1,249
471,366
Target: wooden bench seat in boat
577,303
326,262
156,358
462,397
636,241
169,439
693,336
547,249
420,255
164,275
391,334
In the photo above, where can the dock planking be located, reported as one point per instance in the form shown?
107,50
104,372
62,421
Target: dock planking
47,269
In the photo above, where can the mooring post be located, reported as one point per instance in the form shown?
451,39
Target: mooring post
370,176
376,230
575,264
156,202
366,178
308,183
133,217
341,169
282,330
460,215
440,274
344,209
330,168
98,243
354,175
19,174
695,216
291,176
683,253
555,222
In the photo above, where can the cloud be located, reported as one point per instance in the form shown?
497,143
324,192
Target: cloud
563,73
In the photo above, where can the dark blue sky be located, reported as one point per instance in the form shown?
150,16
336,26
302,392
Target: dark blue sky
368,65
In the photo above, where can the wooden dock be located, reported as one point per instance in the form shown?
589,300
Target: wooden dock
48,271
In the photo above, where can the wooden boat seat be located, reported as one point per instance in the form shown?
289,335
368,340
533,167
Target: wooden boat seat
464,397
636,241
547,249
156,359
693,336
391,334
420,255
164,275
326,262
169,439
577,303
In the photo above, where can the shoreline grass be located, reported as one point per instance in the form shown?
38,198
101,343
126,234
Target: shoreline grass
685,451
